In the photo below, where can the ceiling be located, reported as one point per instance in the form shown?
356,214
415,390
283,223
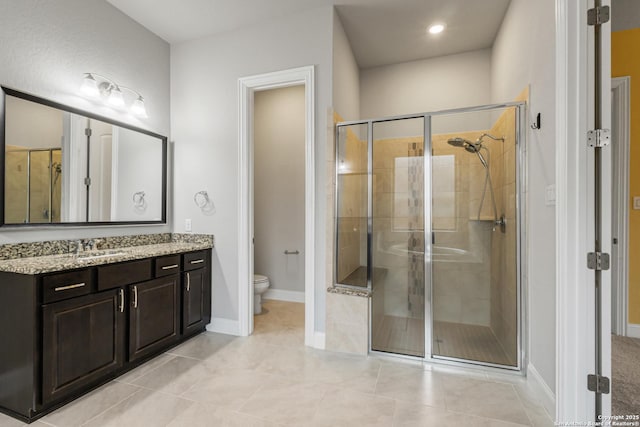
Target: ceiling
380,31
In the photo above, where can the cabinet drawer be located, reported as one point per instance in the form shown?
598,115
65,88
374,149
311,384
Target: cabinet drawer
57,287
118,275
167,265
194,260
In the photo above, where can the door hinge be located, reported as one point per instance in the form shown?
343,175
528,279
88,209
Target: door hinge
598,15
598,137
87,131
87,181
598,261
598,383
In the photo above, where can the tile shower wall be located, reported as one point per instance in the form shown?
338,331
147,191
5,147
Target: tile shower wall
461,250
347,323
352,209
461,258
504,302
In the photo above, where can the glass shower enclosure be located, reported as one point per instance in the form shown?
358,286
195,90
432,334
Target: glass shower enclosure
428,219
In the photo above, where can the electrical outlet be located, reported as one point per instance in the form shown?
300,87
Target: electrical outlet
636,202
187,225
550,195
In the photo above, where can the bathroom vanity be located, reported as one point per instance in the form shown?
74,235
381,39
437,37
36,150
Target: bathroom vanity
73,322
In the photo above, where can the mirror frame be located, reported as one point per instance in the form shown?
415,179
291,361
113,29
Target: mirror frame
12,92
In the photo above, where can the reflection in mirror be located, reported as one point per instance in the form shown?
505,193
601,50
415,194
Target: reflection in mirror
66,166
33,134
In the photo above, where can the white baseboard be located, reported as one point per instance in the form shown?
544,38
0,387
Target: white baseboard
319,339
541,388
633,330
224,326
283,295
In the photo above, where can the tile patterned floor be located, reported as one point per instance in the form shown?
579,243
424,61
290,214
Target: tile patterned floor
470,342
272,379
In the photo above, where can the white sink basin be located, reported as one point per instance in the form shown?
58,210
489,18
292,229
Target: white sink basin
98,255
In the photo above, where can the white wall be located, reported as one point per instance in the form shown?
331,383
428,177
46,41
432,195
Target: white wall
346,75
48,45
523,54
204,126
279,187
453,81
625,15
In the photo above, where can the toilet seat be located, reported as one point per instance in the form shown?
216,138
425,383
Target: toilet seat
259,278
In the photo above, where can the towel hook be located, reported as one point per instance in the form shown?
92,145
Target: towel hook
202,200
138,198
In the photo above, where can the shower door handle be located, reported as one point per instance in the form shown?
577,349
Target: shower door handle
433,238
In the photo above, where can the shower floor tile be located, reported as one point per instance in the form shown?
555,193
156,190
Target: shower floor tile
402,335
469,342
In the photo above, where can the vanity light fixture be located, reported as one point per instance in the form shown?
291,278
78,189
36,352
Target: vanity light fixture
436,28
112,93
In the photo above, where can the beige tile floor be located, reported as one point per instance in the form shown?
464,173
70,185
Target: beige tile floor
272,379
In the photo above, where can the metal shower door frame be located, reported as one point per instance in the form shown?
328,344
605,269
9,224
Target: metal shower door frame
521,238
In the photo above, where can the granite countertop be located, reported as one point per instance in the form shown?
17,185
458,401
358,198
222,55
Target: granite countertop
68,261
343,290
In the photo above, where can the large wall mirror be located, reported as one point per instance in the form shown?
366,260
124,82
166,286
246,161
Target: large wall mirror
65,166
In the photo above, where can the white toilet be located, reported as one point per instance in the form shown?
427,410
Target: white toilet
260,286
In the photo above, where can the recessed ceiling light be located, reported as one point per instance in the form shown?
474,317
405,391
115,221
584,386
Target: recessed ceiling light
436,28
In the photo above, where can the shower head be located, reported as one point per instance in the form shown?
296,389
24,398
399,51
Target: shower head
471,147
458,142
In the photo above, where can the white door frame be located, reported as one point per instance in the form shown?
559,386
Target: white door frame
620,87
575,313
247,86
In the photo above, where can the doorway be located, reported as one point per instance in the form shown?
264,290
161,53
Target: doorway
278,211
247,89
620,109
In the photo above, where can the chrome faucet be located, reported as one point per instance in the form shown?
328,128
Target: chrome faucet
79,247
83,245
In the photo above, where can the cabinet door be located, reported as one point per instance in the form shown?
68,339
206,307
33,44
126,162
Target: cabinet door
154,316
194,313
83,342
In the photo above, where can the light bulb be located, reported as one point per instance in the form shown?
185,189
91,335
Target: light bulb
436,28
138,108
90,86
115,97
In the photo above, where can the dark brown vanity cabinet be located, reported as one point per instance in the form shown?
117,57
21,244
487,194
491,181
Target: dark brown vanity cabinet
196,293
65,333
154,315
83,340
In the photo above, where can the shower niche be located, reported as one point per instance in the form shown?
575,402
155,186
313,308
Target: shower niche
428,220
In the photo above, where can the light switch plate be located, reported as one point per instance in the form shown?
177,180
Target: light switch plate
636,202
550,195
187,225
